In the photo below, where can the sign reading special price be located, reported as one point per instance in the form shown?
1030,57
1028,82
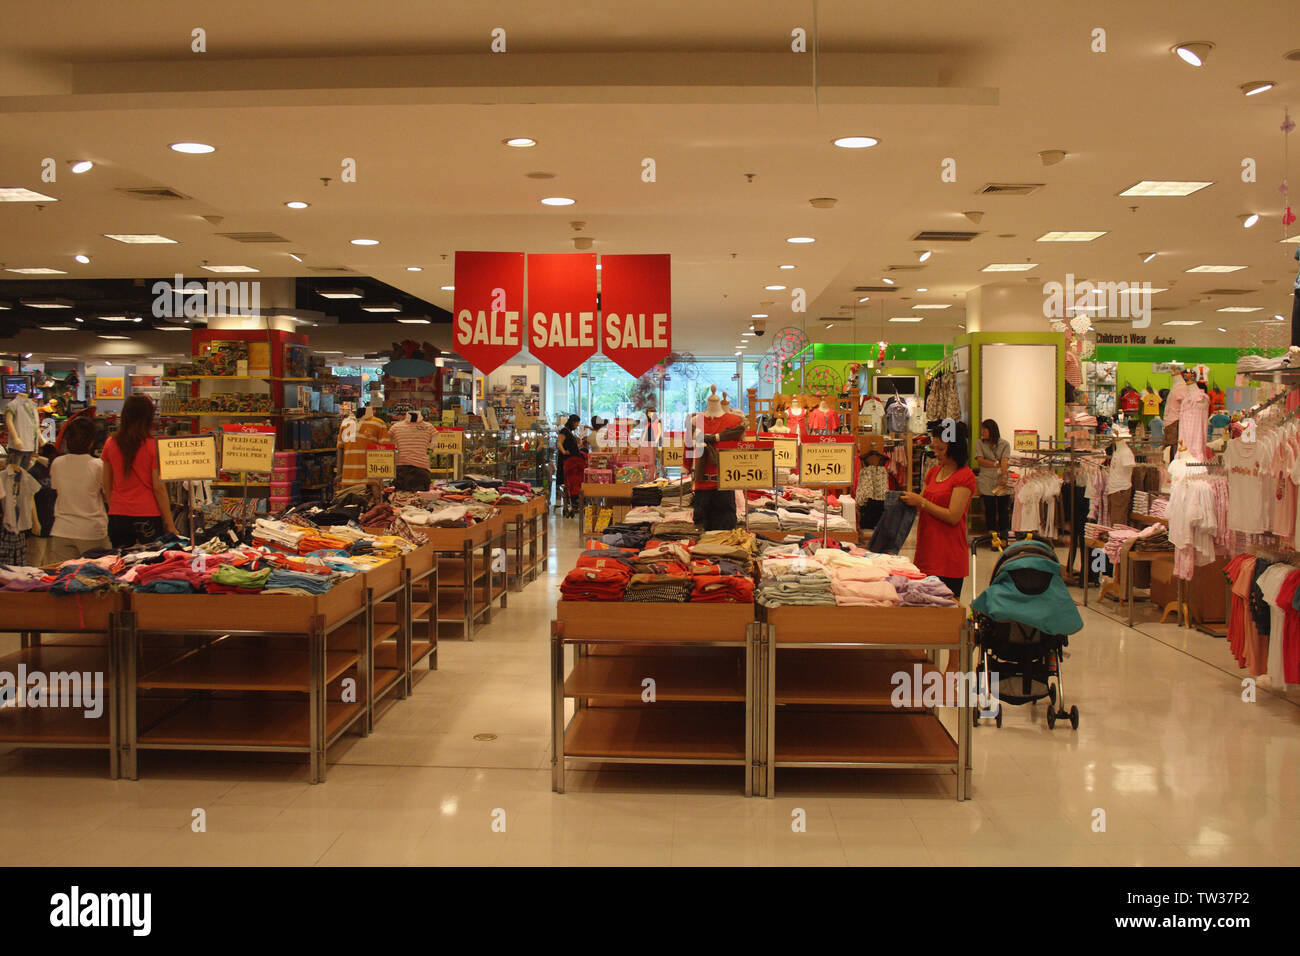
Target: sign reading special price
745,464
449,441
827,460
248,451
189,458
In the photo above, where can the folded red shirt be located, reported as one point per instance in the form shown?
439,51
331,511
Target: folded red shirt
722,588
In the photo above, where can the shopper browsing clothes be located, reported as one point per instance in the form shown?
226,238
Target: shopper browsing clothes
941,547
570,463
138,509
993,455
77,477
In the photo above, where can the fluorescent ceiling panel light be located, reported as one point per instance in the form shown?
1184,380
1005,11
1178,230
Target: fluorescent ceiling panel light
1164,187
171,328
122,338
23,194
747,334
340,293
865,298
139,239
1241,308
38,272
114,318
906,318
1077,236
785,267
774,288
414,321
47,303
1215,269
759,315
59,328
919,289
887,281
856,142
1009,267
946,305
193,149
558,201
382,307
229,269
1182,322
797,240
414,269
448,288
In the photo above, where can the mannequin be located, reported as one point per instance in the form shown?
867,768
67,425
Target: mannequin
823,419
371,428
781,426
18,503
714,510
1119,481
1173,409
1193,420
412,436
22,425
348,426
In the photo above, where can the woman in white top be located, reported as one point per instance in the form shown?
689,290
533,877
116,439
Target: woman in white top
80,519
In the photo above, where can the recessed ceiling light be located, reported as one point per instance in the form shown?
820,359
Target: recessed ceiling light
774,288
1249,220
887,281
747,334
38,272
297,204
758,315
865,298
801,239
382,307
1279,318
945,305
919,289
139,239
1164,187
1148,257
193,149
328,351
230,269
1182,322
414,321
519,142
1069,236
59,328
1223,330
856,142
1241,308
1215,269
558,201
1257,86
346,292
23,194
924,256
82,166
114,318
785,267
447,288
1194,52
365,242
122,338
906,318
599,266
1009,267
84,260
47,303
5,306
414,269
295,257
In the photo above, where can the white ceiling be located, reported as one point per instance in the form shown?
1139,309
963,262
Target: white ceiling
711,92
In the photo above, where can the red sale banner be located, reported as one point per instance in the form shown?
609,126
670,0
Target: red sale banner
561,309
489,307
636,310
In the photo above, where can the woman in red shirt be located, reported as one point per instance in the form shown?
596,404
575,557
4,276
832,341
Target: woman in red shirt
941,547
138,509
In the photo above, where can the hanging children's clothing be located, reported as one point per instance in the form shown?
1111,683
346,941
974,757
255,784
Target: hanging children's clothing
1194,421
18,493
873,485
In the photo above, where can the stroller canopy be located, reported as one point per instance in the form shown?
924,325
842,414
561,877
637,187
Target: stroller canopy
1027,588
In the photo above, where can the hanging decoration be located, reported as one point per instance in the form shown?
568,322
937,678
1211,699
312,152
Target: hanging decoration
789,342
1288,125
822,377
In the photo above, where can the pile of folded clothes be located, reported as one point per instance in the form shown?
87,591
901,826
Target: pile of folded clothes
606,583
807,588
676,523
674,588
667,557
925,591
647,494
736,545
722,588
623,535
643,514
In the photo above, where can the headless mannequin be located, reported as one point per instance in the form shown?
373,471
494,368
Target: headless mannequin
797,423
22,425
371,428
19,510
823,419
714,510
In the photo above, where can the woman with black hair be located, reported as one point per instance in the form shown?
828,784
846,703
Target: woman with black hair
992,454
138,509
566,448
941,547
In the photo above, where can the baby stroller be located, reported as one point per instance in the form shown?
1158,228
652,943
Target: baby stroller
1022,622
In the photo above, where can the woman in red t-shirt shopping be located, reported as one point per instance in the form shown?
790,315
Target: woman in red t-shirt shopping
138,510
941,547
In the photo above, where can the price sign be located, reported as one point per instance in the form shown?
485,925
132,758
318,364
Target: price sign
673,456
745,464
449,441
449,417
827,462
192,457
1026,440
785,450
247,451
381,464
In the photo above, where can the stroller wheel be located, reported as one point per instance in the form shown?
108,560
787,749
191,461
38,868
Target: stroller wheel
1051,718
1074,718
998,718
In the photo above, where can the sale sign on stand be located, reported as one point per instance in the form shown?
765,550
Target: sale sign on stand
745,464
636,310
562,309
828,460
784,447
489,308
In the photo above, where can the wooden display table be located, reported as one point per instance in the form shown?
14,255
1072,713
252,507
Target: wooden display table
653,683
468,580
828,689
613,495
527,541
72,634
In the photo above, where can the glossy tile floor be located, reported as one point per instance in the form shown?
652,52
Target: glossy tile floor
1182,769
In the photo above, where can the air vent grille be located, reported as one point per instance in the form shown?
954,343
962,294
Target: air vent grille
907,268
152,193
252,236
329,269
1010,189
875,288
939,235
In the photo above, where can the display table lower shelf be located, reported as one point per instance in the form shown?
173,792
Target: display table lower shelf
812,738
652,733
717,677
247,724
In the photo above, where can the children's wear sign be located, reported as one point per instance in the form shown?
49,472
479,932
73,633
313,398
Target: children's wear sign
248,451
745,464
189,458
827,460
636,310
489,307
562,309
381,464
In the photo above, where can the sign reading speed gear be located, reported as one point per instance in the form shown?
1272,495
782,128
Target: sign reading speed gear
449,441
745,464
248,451
827,461
381,464
785,450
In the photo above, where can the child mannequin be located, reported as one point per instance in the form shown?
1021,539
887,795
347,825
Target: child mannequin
18,503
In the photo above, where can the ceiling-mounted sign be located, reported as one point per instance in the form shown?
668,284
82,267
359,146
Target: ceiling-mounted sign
489,307
636,310
562,309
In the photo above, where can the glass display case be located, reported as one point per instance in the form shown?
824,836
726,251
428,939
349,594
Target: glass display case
510,455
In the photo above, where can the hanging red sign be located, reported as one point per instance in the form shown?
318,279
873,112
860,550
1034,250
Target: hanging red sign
489,307
636,310
561,309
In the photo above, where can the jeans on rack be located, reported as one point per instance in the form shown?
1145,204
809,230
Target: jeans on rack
894,526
